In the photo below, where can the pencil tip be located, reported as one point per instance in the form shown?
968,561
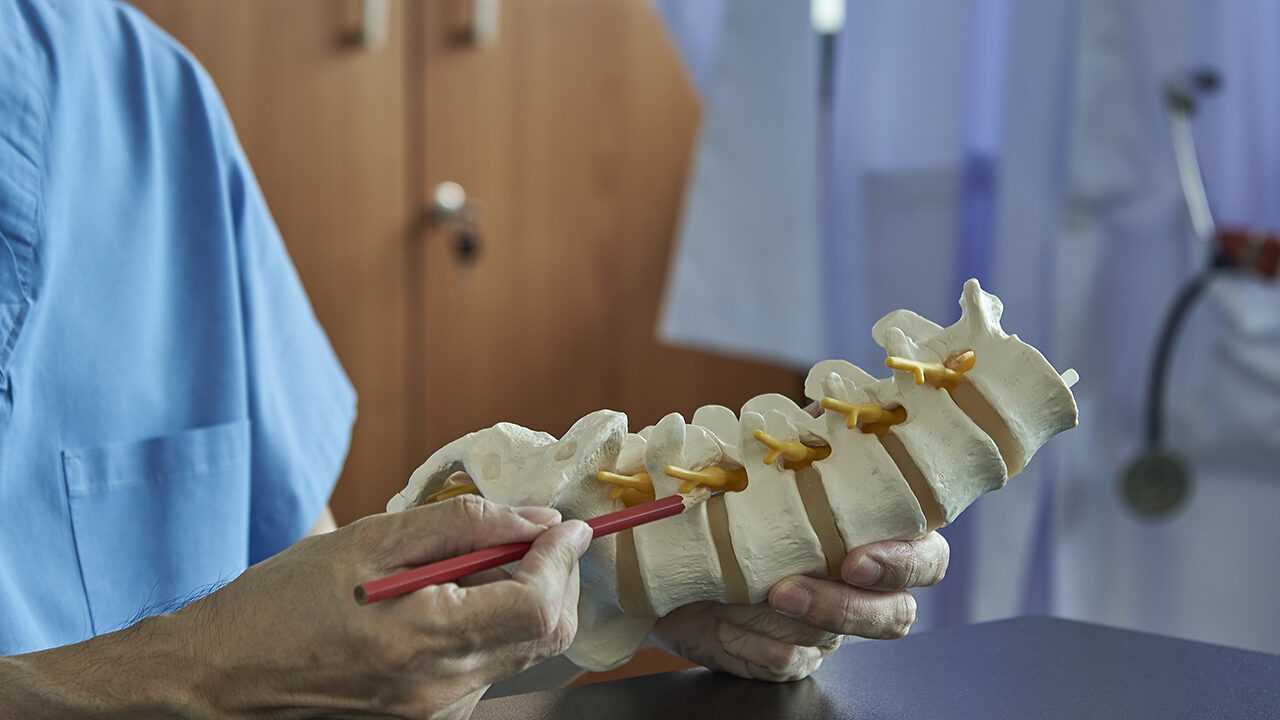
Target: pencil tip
696,496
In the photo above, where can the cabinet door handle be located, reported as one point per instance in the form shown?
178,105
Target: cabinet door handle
451,209
449,203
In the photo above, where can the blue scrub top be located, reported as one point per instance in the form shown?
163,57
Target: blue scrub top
170,410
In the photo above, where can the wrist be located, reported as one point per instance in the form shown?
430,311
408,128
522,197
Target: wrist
142,671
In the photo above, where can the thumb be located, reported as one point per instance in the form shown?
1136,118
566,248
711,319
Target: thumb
462,524
532,605
554,556
549,571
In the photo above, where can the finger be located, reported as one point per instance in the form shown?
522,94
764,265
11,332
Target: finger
459,525
764,620
898,564
844,610
569,606
511,659
548,575
524,614
765,658
484,577
554,554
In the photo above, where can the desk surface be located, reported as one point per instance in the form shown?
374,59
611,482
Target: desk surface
1024,668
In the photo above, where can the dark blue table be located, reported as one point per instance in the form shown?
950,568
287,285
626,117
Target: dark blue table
1032,667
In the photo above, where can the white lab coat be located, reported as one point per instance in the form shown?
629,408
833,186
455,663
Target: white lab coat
1121,253
1022,143
750,231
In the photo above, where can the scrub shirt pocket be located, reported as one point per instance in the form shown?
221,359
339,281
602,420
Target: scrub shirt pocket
158,520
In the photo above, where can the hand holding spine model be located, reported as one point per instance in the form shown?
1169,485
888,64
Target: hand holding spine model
893,458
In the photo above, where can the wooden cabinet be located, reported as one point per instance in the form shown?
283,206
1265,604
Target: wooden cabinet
571,130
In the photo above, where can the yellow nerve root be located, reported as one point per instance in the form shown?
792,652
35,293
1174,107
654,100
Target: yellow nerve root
633,489
891,418
638,488
713,477
946,376
449,492
631,497
867,413
800,455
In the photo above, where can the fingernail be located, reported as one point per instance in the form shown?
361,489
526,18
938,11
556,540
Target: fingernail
538,515
791,598
866,572
583,537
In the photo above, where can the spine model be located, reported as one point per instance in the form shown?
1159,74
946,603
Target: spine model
892,458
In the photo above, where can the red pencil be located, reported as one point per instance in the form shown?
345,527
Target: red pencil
492,557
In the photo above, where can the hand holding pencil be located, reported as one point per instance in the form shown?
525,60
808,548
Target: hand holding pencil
430,653
491,557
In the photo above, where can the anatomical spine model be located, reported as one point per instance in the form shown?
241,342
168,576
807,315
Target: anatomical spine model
893,458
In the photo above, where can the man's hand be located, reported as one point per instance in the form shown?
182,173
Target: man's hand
805,617
287,639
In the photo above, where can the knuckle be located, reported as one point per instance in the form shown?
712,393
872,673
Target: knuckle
917,573
539,620
903,616
567,559
902,567
388,655
472,507
800,663
898,573
944,559
375,536
781,660
879,615
915,564
812,666
850,610
555,628
463,638
806,664
562,637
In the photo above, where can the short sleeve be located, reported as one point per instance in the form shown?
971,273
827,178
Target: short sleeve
170,408
301,404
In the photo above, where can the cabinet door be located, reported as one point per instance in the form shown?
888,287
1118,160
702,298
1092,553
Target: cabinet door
572,129
323,123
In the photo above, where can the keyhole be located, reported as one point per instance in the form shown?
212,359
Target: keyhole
466,243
